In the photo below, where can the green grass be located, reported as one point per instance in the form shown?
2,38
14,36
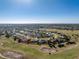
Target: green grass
33,53
9,44
69,54
1,58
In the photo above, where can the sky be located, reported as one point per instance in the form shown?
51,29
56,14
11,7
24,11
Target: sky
39,11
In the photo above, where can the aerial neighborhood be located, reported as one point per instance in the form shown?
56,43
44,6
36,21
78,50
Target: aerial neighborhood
45,40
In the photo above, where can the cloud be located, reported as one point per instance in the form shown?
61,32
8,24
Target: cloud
27,21
37,20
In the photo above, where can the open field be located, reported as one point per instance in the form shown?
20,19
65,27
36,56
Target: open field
33,53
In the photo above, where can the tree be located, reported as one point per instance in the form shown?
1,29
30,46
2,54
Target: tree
7,35
51,45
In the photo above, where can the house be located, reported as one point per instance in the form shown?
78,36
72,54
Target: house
24,40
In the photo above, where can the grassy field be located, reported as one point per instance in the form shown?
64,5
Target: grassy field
33,53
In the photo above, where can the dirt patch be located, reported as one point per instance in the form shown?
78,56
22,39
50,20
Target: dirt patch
47,49
77,57
13,55
58,50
